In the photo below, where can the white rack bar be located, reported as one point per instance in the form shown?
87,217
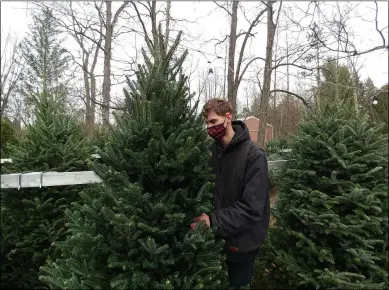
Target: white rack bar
285,150
97,156
9,160
39,179
45,179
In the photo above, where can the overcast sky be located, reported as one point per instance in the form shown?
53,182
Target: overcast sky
210,22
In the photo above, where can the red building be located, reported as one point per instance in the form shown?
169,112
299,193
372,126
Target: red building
252,124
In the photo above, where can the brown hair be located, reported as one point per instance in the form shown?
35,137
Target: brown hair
219,106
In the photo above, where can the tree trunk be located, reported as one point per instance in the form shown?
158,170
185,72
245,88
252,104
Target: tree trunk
281,131
337,67
93,100
318,81
93,84
264,104
107,63
231,95
224,73
287,87
275,81
90,93
88,113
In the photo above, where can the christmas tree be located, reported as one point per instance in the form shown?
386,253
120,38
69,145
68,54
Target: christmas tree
332,213
133,231
32,218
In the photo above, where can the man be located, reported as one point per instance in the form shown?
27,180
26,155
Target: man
241,193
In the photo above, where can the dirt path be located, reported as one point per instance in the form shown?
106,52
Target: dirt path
273,199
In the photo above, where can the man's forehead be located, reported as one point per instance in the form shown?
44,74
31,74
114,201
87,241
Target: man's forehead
212,117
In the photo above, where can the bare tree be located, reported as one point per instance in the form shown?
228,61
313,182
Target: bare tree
87,31
265,95
11,68
231,55
237,68
345,47
328,35
93,27
331,37
109,25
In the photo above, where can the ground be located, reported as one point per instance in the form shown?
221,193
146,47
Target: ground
273,199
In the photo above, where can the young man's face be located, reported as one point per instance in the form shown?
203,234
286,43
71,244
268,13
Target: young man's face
214,119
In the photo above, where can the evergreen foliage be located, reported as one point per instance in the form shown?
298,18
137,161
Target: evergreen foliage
46,60
332,212
132,232
32,218
7,136
337,84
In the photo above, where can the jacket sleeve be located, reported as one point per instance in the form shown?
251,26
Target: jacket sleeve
248,210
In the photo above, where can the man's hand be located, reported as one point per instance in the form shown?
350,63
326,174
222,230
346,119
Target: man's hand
204,218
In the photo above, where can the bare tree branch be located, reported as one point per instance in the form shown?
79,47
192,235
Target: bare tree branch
353,52
376,23
11,71
293,94
252,25
120,10
224,8
245,33
146,35
247,66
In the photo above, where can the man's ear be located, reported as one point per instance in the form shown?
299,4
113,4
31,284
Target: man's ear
229,117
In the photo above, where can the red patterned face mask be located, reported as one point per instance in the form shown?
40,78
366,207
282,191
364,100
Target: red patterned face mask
217,132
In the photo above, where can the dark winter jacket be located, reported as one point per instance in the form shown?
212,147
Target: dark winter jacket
241,194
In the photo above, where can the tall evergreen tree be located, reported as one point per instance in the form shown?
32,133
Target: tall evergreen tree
46,59
332,212
133,231
336,79
32,218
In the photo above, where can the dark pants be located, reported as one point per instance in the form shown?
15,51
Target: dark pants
240,273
